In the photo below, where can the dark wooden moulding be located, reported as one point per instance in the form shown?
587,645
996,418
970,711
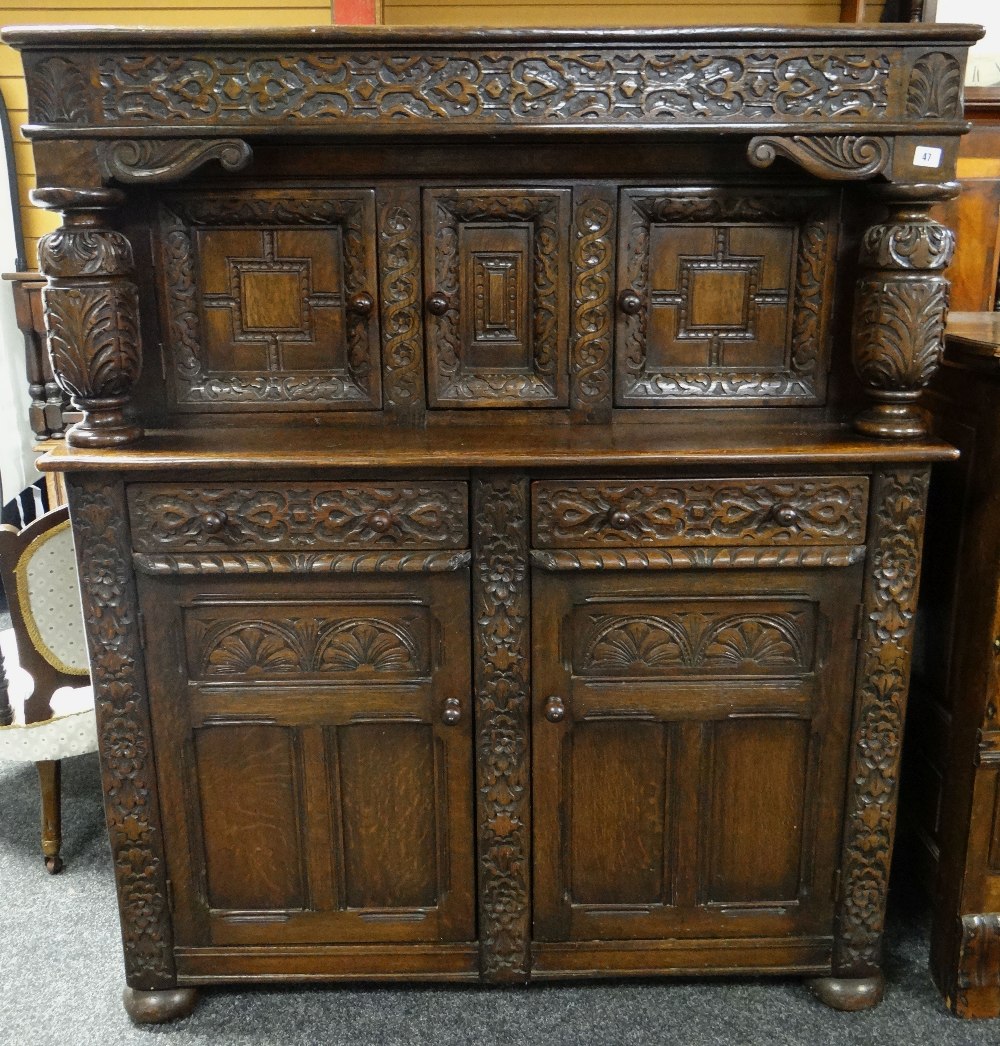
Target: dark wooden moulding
514,579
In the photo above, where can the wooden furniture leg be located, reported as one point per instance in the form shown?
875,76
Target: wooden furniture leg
49,779
158,1007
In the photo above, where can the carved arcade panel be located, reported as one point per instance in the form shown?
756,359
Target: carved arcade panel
496,274
723,298
269,300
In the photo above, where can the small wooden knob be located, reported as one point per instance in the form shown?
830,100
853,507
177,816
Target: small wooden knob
786,515
629,302
362,303
555,709
437,304
380,521
213,521
621,520
452,711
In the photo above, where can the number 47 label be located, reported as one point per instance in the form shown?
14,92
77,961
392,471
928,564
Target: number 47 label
926,156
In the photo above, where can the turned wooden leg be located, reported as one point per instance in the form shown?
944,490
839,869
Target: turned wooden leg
50,780
158,1007
848,993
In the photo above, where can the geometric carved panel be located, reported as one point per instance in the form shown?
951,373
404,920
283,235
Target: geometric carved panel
265,301
731,298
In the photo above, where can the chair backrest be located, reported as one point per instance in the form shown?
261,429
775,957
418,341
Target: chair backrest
39,577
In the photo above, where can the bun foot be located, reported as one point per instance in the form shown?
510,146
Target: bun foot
848,993
158,1007
54,865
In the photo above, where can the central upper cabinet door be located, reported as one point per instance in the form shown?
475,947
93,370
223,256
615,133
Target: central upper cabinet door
496,276
268,300
724,297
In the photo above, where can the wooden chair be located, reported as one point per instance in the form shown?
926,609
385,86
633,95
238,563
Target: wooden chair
46,713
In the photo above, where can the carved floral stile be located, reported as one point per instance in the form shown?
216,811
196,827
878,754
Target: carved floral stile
117,667
883,677
500,615
593,274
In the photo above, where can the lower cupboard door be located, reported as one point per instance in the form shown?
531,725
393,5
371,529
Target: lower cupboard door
314,757
689,751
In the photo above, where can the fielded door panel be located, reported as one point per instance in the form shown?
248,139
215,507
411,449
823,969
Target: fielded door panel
689,744
319,732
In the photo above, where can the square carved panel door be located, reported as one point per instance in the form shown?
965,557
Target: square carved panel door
315,735
724,297
268,300
689,744
496,277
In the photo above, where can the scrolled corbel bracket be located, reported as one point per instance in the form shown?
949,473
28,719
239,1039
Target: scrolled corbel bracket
130,160
900,308
837,157
91,310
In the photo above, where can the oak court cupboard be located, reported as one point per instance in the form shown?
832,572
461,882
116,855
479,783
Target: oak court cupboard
500,487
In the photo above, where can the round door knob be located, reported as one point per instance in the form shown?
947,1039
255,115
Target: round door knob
629,302
437,304
213,521
452,711
555,709
786,515
380,521
621,520
361,303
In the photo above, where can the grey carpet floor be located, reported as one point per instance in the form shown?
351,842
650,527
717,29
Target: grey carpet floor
60,977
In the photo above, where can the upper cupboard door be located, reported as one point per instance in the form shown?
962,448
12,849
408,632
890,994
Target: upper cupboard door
268,300
496,278
724,297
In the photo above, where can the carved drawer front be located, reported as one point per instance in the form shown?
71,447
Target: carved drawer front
179,518
268,300
797,510
496,274
724,297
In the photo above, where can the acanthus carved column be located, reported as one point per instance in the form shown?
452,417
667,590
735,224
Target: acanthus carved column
91,309
900,309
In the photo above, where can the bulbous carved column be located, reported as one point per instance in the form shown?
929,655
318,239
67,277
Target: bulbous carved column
91,309
900,310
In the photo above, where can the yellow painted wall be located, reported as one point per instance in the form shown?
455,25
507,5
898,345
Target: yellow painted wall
260,13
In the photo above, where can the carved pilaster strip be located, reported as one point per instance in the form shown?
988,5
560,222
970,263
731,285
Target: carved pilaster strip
900,308
592,322
500,622
883,678
838,157
91,309
165,160
131,806
402,333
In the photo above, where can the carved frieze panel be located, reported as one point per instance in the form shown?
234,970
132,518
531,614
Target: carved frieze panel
792,511
725,298
269,301
333,642
712,638
177,518
496,274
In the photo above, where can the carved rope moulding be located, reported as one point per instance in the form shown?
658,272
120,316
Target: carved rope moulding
707,84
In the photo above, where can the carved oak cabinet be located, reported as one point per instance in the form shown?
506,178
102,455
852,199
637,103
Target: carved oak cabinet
494,567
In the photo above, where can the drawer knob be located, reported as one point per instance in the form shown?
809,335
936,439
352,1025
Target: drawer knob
452,711
362,303
629,302
213,521
621,520
555,709
437,304
786,515
380,521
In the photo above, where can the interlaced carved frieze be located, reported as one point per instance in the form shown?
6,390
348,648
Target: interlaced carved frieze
313,516
501,631
793,511
100,525
415,86
883,676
